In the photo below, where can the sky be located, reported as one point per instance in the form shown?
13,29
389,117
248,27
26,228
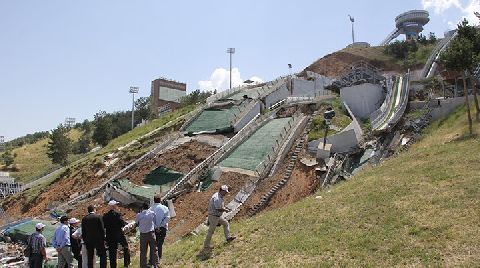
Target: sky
69,58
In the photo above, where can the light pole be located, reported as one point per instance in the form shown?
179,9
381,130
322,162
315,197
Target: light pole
328,115
352,19
2,143
290,78
133,90
231,51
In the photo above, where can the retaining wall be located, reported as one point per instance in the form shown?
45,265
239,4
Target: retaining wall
274,97
363,99
307,88
243,121
345,141
438,112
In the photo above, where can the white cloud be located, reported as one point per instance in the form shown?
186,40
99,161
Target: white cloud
220,80
441,6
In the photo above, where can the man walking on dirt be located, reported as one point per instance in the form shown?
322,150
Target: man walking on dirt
216,207
162,216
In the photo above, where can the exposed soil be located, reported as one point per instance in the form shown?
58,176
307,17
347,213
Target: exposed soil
333,65
101,207
191,208
182,159
70,183
302,183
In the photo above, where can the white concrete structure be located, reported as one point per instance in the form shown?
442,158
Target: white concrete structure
247,116
363,99
310,88
278,95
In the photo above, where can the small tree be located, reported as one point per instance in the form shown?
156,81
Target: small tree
142,108
103,128
82,146
8,158
59,146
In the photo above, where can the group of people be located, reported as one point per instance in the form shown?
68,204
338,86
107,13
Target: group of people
96,234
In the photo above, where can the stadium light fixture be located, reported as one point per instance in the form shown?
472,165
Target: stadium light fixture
133,90
231,51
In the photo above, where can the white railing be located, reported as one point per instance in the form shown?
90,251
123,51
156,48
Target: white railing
431,64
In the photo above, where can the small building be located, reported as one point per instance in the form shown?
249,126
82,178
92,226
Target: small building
166,95
8,186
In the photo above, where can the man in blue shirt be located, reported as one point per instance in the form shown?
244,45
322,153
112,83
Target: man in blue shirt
61,242
146,227
162,216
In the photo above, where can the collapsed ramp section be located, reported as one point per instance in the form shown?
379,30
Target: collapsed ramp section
394,105
158,180
258,148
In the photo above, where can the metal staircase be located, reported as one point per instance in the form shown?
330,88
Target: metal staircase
358,73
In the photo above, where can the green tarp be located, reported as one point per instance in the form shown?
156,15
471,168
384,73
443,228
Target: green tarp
162,175
21,231
255,149
214,120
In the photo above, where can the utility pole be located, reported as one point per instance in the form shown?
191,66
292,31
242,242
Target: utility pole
231,51
133,90
352,19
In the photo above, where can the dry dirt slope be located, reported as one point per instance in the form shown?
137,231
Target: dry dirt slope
420,208
334,64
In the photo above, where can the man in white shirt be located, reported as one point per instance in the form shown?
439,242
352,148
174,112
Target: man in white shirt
162,216
146,227
216,207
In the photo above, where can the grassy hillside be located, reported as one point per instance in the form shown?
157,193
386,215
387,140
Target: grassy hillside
33,162
420,208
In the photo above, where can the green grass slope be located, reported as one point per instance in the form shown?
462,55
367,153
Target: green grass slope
420,208
32,160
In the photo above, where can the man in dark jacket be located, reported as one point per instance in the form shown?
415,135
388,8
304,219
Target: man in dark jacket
114,223
93,235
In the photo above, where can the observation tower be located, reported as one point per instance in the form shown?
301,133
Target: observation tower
409,23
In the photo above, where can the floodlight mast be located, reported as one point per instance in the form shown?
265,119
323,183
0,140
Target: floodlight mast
231,51
352,20
133,90
2,143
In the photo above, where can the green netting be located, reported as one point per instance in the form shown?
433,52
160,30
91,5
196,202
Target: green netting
256,148
213,119
162,175
22,231
142,191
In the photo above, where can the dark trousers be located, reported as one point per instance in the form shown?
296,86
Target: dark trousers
147,240
36,260
101,253
112,252
160,234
